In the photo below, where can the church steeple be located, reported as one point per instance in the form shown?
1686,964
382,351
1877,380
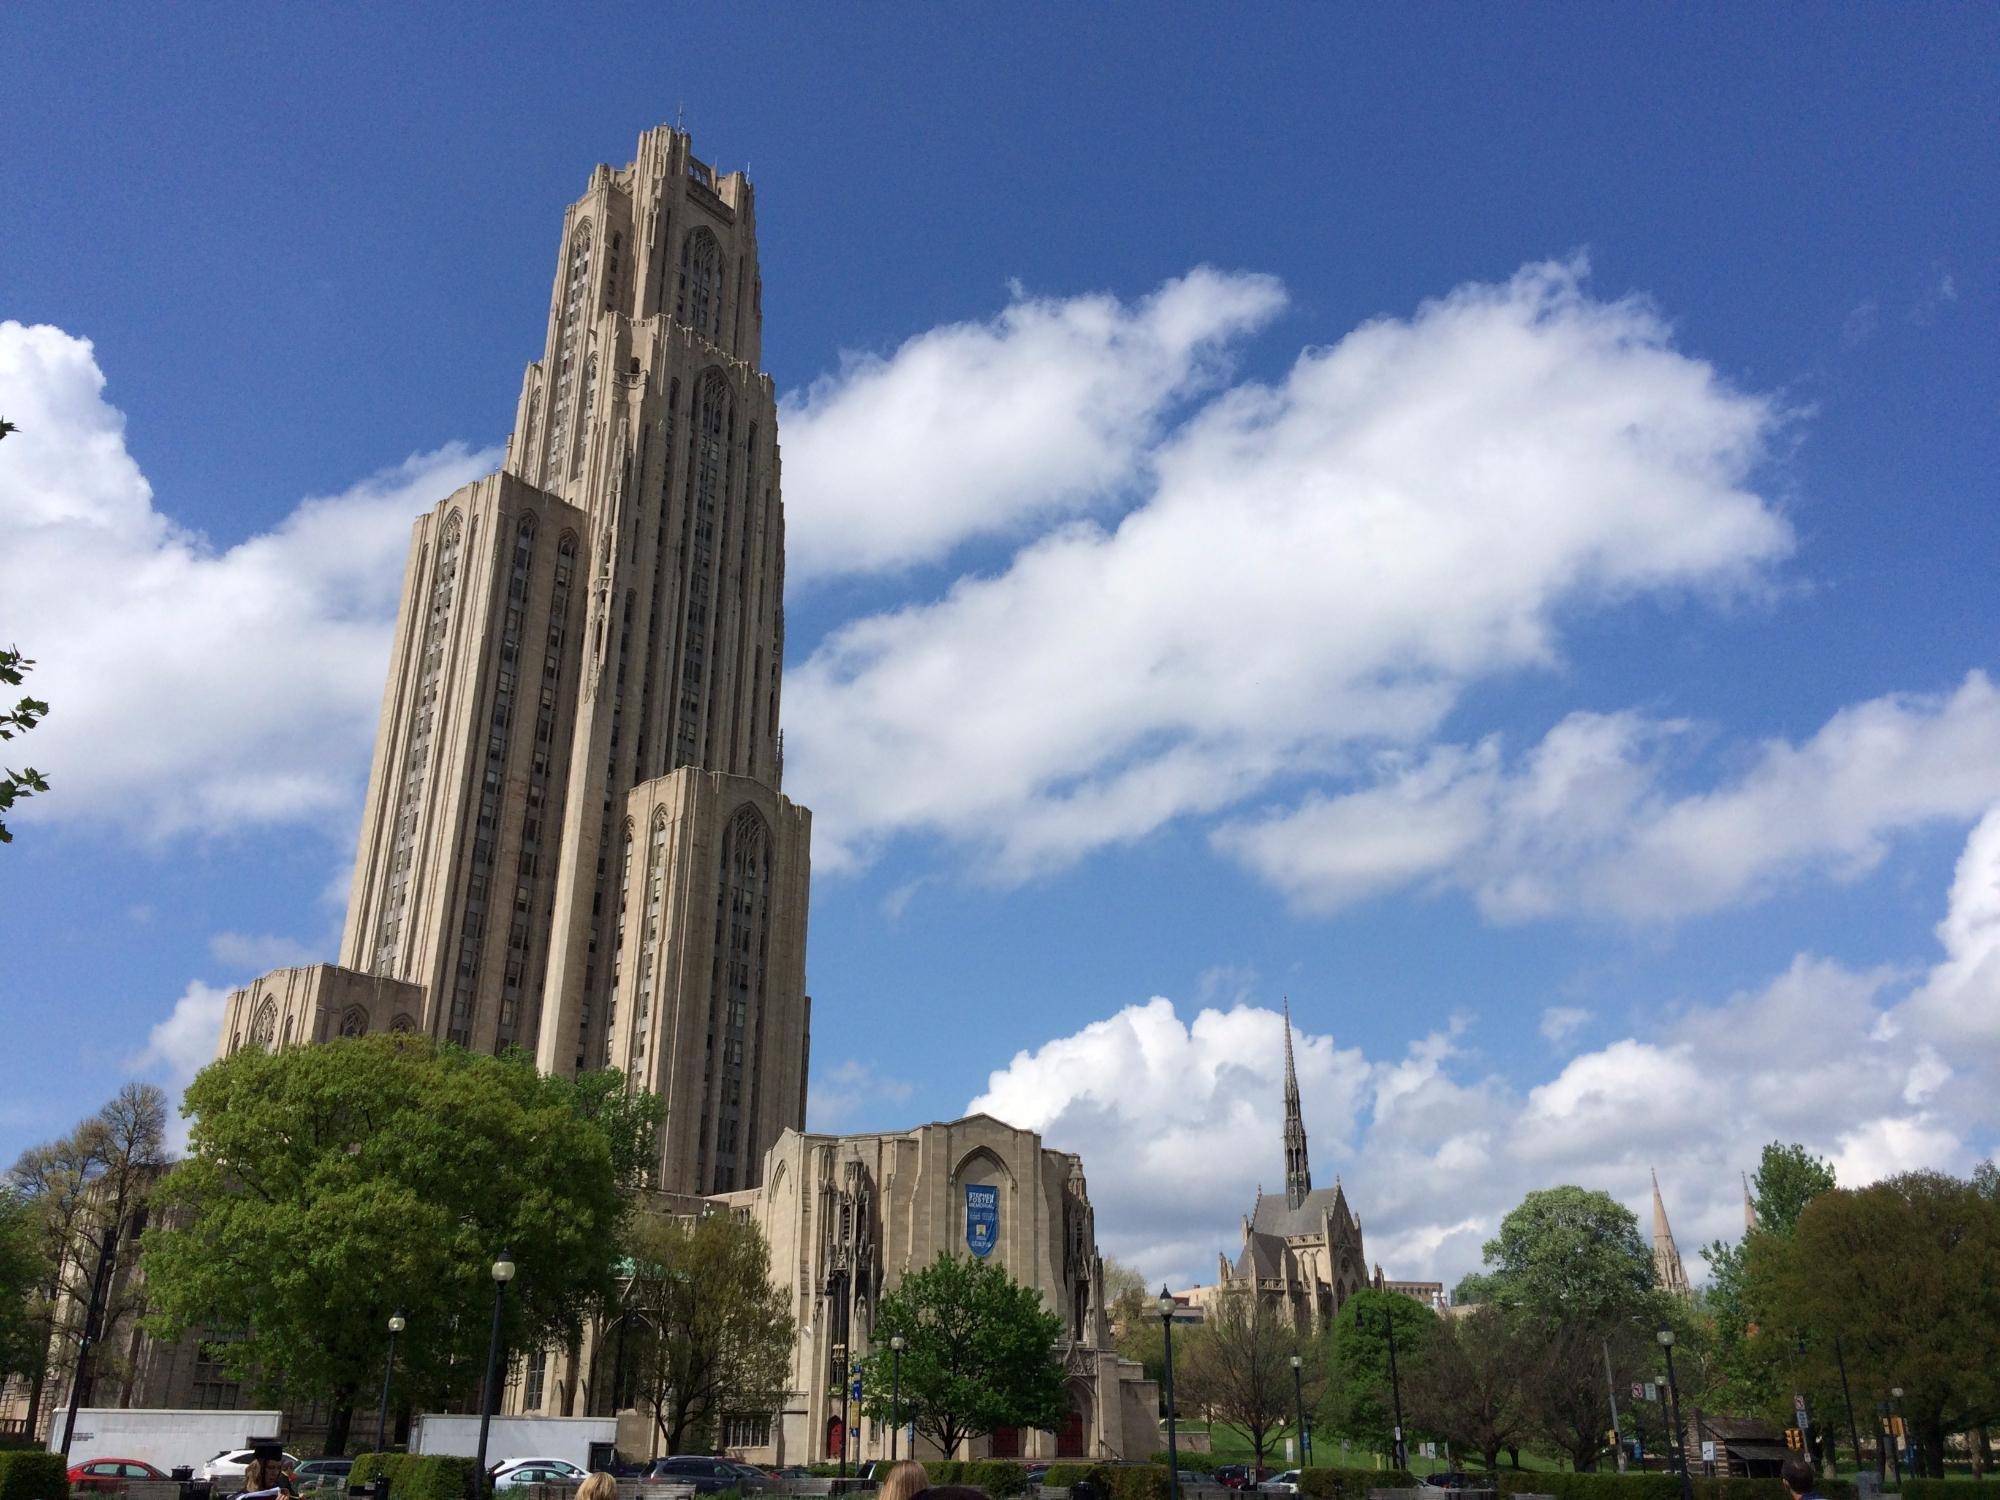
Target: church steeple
1749,1208
1298,1176
1667,1268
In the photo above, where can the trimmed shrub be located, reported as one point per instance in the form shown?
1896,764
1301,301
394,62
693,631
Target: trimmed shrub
29,1474
417,1476
1002,1478
1942,1489
1135,1481
1352,1484
1659,1485
1193,1463
1062,1476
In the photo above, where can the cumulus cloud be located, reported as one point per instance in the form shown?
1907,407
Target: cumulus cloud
1559,1022
974,429
1178,1122
1583,822
1318,565
851,1094
180,1046
253,953
193,686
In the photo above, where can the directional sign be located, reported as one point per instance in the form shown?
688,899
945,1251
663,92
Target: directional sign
1638,1390
1708,1452
982,1219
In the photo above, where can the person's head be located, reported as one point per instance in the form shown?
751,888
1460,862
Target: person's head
904,1481
599,1486
1799,1475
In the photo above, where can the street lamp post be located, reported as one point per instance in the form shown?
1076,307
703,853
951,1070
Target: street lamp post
503,1272
1166,1305
1847,1395
1896,1438
895,1394
396,1326
1677,1445
1299,1411
1400,1453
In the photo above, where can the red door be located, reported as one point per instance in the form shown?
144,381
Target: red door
1006,1442
1069,1439
836,1437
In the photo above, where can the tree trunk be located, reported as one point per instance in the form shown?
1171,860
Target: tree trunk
1514,1457
338,1420
1492,1457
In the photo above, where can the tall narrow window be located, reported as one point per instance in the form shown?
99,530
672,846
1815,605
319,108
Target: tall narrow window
699,304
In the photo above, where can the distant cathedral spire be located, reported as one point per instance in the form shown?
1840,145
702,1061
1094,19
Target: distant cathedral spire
1749,1208
1298,1176
1667,1268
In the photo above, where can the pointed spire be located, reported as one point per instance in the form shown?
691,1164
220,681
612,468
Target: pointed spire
1750,1225
1667,1267
1298,1175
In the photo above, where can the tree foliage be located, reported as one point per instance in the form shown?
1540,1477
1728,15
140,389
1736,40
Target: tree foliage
1788,1178
22,1276
1464,1382
1573,1254
25,715
1237,1366
1359,1403
979,1353
330,1186
1907,1273
83,1193
708,1333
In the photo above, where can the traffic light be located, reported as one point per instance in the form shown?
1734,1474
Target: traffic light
1795,1440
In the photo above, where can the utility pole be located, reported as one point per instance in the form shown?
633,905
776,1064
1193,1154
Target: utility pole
1853,1429
1611,1390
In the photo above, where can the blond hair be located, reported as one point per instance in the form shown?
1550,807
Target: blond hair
599,1486
904,1481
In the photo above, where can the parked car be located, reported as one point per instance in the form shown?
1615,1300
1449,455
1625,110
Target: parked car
1449,1481
1240,1476
110,1473
231,1462
323,1473
1033,1472
565,1470
522,1475
709,1476
791,1471
1286,1483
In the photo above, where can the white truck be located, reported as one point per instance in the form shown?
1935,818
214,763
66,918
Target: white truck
586,1442
164,1438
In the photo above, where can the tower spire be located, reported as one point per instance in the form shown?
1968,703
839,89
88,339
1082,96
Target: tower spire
1667,1267
1298,1175
1750,1225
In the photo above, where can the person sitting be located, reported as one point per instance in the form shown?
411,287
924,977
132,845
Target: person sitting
1800,1477
904,1481
265,1476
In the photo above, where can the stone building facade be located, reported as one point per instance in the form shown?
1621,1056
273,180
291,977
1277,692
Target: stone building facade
575,839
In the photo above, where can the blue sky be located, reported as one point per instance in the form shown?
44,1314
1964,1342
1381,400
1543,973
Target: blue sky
1566,689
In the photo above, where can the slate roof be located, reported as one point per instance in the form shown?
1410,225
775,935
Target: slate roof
1273,1215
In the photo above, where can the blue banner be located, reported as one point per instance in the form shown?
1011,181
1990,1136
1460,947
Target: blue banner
982,1219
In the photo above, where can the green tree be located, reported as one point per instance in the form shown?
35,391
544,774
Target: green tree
1572,1254
25,715
1238,1367
710,1335
84,1193
1136,1331
1907,1273
1788,1178
1359,1401
21,1279
1464,1384
329,1186
979,1353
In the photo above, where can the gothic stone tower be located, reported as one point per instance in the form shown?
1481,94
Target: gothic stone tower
574,839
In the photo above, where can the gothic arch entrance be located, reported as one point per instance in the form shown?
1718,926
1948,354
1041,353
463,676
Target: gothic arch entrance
1073,1437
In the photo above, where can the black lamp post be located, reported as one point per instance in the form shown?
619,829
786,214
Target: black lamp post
1401,1457
895,1394
1173,1448
1846,1395
1895,1437
1299,1411
503,1272
1677,1443
396,1326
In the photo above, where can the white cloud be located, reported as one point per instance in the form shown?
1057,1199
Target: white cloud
1582,822
1560,1021
191,686
849,1095
254,953
1179,1123
974,429
1960,999
1320,564
180,1046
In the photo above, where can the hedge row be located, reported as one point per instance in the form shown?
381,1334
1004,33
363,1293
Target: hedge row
1951,1489
1660,1485
1062,1476
1001,1478
415,1476
1353,1484
1193,1463
29,1474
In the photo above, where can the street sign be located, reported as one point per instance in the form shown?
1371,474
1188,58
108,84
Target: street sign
1652,1390
1707,1452
1638,1390
982,1219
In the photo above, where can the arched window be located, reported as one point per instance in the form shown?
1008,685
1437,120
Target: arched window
699,304
264,1030
354,1022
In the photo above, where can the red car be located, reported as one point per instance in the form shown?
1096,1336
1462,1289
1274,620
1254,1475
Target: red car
110,1473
